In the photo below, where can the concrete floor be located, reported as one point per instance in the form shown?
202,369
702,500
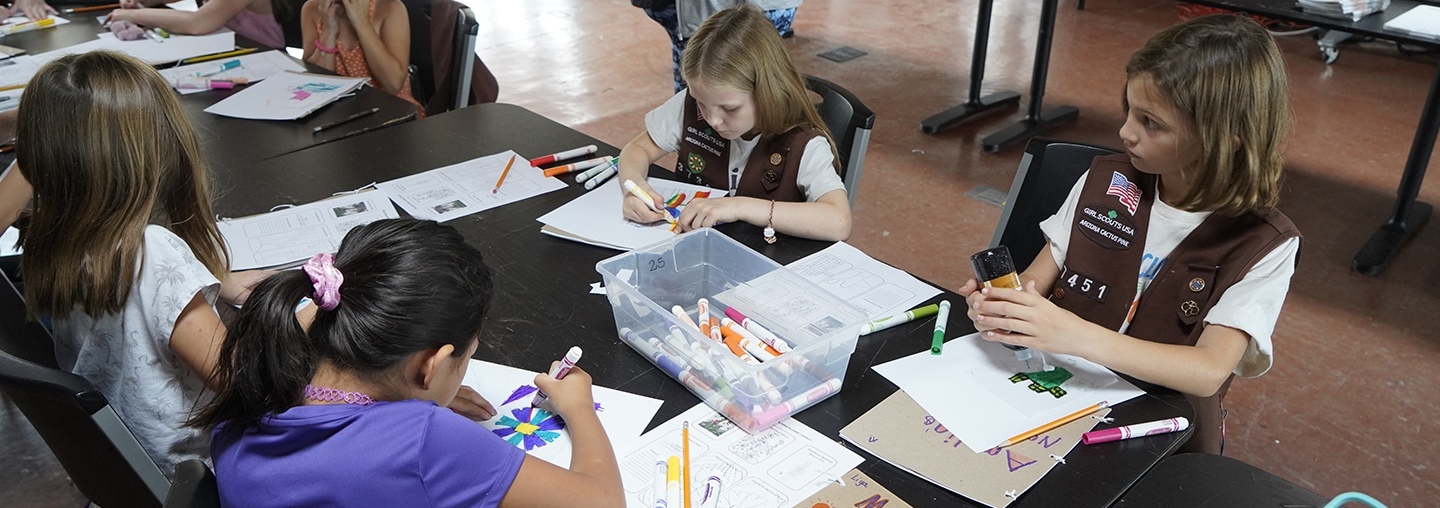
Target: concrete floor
1349,404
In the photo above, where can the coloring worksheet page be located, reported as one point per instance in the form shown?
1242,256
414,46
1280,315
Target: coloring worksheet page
877,288
254,67
542,434
596,219
462,189
285,96
779,466
291,235
982,394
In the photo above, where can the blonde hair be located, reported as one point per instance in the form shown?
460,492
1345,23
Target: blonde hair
108,150
1225,74
739,48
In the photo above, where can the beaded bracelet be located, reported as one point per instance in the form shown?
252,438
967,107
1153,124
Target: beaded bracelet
770,224
323,49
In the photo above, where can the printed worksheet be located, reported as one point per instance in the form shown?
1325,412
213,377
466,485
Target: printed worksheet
462,189
779,466
291,235
792,307
542,434
253,67
982,394
877,288
596,219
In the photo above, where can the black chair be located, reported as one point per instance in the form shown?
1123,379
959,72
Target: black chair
1047,171
194,487
849,122
445,73
97,450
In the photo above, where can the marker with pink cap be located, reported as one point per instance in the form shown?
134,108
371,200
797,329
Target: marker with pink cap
1176,424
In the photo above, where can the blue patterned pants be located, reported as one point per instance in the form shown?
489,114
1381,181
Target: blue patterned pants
782,18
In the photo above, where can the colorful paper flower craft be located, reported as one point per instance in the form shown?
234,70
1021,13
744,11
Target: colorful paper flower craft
529,427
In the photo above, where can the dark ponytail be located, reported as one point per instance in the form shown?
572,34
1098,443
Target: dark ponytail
410,285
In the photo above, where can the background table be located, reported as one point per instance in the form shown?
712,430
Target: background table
541,306
1197,480
232,143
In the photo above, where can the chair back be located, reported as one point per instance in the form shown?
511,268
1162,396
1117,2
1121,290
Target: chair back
1047,171
97,450
194,486
850,123
445,72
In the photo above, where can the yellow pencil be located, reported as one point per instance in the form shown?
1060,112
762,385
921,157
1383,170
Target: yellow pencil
206,58
12,87
1052,425
685,434
502,175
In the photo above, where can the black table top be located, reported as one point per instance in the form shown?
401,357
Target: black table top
230,143
1197,480
1371,26
542,307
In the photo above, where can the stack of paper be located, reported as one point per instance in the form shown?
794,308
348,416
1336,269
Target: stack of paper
286,96
291,235
469,187
596,219
1344,9
779,466
1422,21
253,67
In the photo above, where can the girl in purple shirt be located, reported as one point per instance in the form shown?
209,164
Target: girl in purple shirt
349,409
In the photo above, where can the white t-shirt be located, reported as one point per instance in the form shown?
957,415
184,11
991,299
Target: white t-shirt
127,356
1251,305
817,165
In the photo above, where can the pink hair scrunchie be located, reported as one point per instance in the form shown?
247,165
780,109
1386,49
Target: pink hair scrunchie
327,279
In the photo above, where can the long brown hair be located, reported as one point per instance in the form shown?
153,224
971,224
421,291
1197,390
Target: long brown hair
108,150
738,47
1225,74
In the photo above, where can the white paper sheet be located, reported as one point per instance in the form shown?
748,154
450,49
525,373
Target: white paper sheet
285,96
596,219
624,415
968,389
291,235
173,49
254,67
777,467
876,288
461,189
7,243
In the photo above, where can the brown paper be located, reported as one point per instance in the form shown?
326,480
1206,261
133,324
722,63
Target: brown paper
858,491
902,433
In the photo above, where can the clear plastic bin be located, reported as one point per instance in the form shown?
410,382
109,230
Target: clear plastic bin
821,329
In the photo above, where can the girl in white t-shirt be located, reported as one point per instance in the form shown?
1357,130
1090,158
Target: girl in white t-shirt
747,91
1206,112
121,249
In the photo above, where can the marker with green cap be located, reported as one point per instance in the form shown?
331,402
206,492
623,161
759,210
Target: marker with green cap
899,319
938,340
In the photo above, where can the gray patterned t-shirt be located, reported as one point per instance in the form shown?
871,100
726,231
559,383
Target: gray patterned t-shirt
127,356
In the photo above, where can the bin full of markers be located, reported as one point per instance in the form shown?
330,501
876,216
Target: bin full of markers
746,335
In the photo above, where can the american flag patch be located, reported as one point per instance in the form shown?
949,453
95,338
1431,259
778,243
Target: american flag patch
1122,188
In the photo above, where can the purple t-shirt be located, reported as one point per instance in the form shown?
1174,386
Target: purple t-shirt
407,453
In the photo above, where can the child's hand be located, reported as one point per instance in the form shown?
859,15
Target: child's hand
973,297
707,212
358,12
33,9
334,11
568,396
635,210
236,288
1031,319
470,404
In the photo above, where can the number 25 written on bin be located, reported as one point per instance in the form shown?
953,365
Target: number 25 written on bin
656,263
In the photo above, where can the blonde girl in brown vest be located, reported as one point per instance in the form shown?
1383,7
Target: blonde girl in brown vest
1190,208
747,126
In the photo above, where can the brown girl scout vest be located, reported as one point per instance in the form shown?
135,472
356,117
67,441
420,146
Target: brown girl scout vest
1102,266
704,159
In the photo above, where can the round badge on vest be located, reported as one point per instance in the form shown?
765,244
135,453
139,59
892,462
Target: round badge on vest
776,159
1197,285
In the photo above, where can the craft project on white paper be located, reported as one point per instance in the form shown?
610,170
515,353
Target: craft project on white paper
876,288
779,466
461,189
285,96
979,391
595,218
542,434
253,67
292,235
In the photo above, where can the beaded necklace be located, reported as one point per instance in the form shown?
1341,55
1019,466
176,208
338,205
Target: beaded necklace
322,394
